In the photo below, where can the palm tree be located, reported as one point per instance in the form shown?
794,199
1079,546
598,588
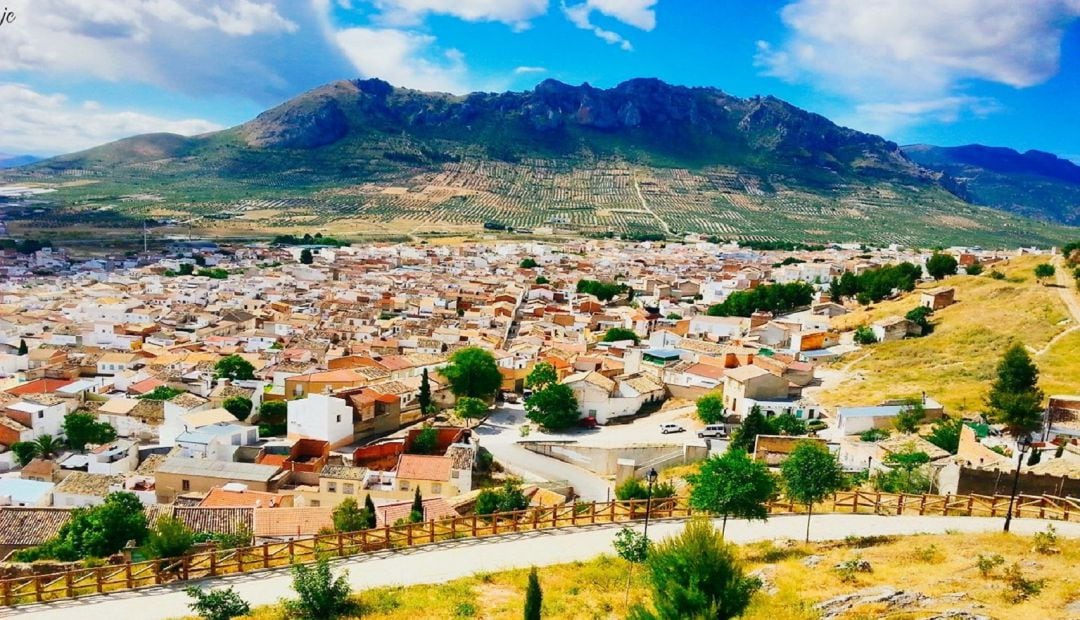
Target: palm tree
46,446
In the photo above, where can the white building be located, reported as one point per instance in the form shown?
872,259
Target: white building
320,416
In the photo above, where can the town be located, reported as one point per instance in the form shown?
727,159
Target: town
269,393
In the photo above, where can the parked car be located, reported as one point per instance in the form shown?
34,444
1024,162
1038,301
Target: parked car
588,423
712,431
671,428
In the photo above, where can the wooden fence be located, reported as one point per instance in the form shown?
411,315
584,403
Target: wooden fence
80,582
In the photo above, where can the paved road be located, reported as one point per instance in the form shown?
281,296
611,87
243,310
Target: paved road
499,434
441,563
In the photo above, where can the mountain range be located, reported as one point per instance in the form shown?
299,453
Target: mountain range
14,161
644,156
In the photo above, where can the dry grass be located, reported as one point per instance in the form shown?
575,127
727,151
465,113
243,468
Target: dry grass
955,363
933,565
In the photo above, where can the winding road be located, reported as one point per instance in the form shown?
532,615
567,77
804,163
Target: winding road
451,560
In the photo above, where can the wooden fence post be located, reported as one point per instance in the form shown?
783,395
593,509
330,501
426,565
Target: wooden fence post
213,562
37,587
127,576
69,587
266,555
7,593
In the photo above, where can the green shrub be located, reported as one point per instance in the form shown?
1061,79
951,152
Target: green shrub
1020,587
217,604
321,594
987,563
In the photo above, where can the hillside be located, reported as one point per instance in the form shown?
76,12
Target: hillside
955,363
1034,184
946,584
364,156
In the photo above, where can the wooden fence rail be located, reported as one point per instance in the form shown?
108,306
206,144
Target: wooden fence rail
79,582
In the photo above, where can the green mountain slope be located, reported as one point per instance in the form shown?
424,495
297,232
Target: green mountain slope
1034,184
643,156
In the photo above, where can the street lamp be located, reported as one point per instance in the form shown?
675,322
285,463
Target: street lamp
1022,444
651,477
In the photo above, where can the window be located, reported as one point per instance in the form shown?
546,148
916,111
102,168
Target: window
314,503
185,485
404,485
331,487
455,473
347,489
339,417
40,415
436,487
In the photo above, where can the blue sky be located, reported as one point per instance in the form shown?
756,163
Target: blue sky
74,73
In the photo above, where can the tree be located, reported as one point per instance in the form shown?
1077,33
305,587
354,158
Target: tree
416,513
906,473
974,269
239,406
349,517
634,488
23,349
732,485
469,408
710,409
223,604
186,269
910,416
425,441
369,512
169,538
322,595
632,547
46,446
527,263
604,291
1044,271
753,424
472,372
542,280
306,256
864,335
425,393
696,575
921,317
234,367
811,473
507,498
554,407
940,265
1035,458
81,428
25,451
1015,399
534,597
541,376
787,424
273,412
94,532
775,298
945,434
618,334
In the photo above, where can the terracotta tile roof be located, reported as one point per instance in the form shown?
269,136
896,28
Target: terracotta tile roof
30,526
343,472
82,483
423,467
287,521
435,509
211,520
219,497
39,386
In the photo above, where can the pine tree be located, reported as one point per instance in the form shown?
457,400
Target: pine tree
1015,399
534,597
425,393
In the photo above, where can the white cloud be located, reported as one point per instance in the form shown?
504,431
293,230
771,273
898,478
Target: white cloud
524,69
516,13
887,118
252,48
637,13
918,53
40,123
404,58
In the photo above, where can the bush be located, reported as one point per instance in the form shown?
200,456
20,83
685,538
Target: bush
217,604
239,406
696,575
1020,588
864,335
1046,541
508,498
349,517
426,441
274,412
169,538
874,434
996,275
634,488
987,563
321,594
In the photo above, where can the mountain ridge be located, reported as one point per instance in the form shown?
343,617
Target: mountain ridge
637,157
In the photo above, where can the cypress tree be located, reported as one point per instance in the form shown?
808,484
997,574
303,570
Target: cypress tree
23,349
425,393
417,513
369,512
534,597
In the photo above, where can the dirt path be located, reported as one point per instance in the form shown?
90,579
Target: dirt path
645,206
